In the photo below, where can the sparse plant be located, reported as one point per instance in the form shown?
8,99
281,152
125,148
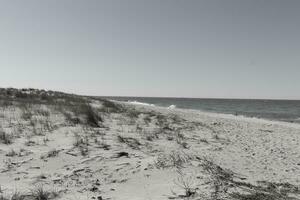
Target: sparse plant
45,140
174,159
219,178
39,193
17,196
92,118
186,182
3,198
5,103
29,142
11,153
80,140
43,111
23,152
132,113
147,119
183,144
51,153
8,164
37,131
111,107
70,118
33,122
84,150
132,142
203,140
216,136
170,138
83,114
102,144
26,113
180,139
138,128
47,125
150,135
4,137
122,154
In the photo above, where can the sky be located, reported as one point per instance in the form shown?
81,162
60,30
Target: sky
167,48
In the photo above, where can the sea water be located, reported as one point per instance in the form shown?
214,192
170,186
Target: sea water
280,110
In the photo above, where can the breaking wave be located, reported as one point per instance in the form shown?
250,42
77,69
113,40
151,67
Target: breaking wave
140,103
148,104
172,107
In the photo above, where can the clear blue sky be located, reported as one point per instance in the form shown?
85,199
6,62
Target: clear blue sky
187,48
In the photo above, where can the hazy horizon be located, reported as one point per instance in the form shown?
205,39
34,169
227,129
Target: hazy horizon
194,49
197,97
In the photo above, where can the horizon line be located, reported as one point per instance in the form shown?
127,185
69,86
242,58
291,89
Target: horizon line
176,97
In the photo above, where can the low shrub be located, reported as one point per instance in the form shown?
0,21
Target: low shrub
39,193
111,107
5,138
131,142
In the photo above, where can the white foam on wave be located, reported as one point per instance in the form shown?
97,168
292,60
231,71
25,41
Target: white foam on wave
140,103
148,104
172,107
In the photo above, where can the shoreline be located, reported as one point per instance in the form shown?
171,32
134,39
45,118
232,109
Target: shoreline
215,114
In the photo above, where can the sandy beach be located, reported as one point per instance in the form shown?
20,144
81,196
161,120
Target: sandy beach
150,100
121,151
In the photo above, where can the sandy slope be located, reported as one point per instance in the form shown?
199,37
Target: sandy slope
150,153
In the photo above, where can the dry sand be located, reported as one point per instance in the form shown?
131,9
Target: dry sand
148,152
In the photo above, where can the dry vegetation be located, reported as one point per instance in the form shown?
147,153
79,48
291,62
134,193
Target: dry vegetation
96,145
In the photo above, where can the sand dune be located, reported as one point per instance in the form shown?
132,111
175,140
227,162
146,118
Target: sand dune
60,146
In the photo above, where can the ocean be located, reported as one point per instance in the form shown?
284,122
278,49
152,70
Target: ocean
279,110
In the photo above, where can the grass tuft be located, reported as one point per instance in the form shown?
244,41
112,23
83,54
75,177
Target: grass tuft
4,137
